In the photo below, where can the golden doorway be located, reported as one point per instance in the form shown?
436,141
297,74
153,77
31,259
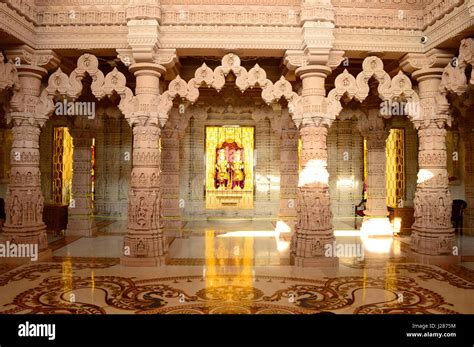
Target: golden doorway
229,167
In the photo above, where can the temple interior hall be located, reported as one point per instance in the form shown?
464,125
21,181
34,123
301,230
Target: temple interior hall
236,157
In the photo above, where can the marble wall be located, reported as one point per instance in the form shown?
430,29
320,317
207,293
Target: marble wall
345,167
113,168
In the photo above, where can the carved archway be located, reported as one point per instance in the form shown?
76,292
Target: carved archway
391,90
71,86
204,76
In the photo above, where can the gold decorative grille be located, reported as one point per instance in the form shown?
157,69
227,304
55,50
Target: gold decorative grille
58,150
62,166
395,169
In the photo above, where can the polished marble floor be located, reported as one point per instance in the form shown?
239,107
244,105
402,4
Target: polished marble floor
239,267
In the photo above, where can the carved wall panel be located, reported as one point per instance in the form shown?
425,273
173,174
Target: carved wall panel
113,168
345,167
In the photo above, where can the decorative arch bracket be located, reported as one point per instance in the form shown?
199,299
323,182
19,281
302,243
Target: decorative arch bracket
204,76
71,86
454,78
348,87
9,77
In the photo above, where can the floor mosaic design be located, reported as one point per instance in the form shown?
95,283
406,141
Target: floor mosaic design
79,286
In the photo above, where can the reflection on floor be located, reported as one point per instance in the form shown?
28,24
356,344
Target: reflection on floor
238,267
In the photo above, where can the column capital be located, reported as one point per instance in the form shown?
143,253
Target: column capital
321,71
295,59
432,61
25,55
168,58
147,69
146,101
25,101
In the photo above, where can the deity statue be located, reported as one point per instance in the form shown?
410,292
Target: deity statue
222,166
237,171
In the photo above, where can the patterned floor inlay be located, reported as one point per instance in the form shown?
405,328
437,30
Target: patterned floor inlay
102,287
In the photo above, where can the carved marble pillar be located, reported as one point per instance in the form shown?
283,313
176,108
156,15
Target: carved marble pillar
314,230
81,210
24,199
433,238
288,174
376,220
170,179
432,231
144,244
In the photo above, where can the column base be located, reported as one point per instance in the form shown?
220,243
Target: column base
433,259
33,235
433,242
314,262
143,262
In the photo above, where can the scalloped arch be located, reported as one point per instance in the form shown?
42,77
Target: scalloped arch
71,86
400,87
204,76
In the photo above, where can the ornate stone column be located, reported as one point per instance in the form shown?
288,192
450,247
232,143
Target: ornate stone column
24,199
144,243
314,230
81,210
288,172
376,220
433,239
170,160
